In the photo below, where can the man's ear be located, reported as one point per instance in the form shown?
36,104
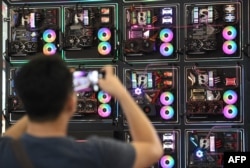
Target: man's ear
71,104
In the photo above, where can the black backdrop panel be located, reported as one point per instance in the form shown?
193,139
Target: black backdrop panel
150,32
34,31
209,37
213,31
90,32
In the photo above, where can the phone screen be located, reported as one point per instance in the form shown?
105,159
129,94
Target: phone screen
84,81
81,81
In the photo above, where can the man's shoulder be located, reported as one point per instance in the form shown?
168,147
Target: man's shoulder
4,140
104,141
110,144
5,147
94,147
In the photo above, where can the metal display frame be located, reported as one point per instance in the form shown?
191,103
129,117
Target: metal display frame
117,128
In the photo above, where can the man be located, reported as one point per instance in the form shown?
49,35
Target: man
45,88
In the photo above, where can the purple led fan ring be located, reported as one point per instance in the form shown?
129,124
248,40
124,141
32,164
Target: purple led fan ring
167,112
167,98
230,111
104,110
167,161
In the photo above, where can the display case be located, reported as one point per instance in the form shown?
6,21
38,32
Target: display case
33,31
150,32
214,95
205,148
93,106
171,147
156,91
213,30
90,32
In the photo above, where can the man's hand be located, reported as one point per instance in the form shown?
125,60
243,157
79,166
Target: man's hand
111,83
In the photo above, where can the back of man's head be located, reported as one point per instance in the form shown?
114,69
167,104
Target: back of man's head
44,85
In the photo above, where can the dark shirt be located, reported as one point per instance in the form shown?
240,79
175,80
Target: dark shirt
65,152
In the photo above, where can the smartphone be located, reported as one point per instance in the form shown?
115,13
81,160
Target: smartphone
84,81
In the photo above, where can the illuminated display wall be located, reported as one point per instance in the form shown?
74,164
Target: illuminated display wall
185,63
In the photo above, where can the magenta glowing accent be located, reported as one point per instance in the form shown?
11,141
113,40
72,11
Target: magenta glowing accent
230,97
103,97
166,49
167,112
229,47
104,48
138,91
49,35
229,33
104,110
230,82
166,35
49,49
167,161
230,111
104,34
167,98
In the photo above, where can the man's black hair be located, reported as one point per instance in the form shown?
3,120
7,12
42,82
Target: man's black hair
44,85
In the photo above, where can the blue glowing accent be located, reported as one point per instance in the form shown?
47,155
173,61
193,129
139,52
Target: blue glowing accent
199,153
138,91
192,139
